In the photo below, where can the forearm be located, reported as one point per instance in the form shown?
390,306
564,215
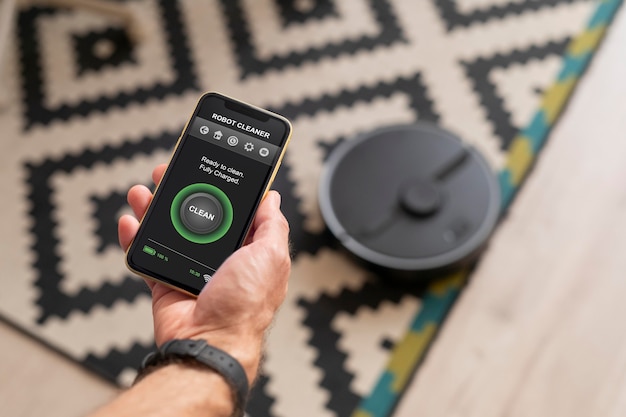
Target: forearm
185,386
175,390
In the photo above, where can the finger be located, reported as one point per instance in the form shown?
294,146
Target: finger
269,204
158,172
139,197
150,283
269,222
258,217
127,227
248,239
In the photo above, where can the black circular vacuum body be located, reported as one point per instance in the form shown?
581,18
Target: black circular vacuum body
410,198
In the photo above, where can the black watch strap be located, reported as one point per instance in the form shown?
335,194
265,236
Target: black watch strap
214,358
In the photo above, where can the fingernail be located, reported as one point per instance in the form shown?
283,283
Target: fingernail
277,199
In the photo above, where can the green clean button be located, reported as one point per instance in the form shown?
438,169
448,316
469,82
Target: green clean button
201,213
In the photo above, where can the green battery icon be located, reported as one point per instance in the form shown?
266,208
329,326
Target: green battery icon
150,251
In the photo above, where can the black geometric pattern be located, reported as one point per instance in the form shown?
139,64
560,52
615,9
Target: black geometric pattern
479,70
36,111
53,301
104,207
115,362
318,9
455,18
74,159
250,64
320,313
87,50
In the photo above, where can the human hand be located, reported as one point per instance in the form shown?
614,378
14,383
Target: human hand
236,307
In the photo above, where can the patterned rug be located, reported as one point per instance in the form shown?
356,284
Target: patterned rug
91,113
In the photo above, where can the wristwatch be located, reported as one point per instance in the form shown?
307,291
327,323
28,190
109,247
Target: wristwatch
212,357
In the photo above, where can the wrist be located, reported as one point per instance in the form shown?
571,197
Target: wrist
246,348
183,389
199,353
201,387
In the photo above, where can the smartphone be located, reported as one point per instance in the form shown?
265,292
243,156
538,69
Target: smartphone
222,167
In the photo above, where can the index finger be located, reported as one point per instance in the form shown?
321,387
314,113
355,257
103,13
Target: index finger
158,172
269,222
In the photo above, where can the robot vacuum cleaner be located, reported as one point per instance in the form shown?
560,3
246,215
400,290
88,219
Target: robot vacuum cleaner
410,198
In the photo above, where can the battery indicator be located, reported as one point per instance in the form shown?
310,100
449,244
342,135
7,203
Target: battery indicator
150,251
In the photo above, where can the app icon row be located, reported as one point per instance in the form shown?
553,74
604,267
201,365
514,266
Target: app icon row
233,141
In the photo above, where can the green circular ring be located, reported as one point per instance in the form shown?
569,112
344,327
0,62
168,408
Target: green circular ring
218,233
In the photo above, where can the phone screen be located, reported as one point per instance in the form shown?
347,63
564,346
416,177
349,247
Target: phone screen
207,198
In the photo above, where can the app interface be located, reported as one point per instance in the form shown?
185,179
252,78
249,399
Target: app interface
206,201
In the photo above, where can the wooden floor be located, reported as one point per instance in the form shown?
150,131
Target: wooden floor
539,331
36,381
